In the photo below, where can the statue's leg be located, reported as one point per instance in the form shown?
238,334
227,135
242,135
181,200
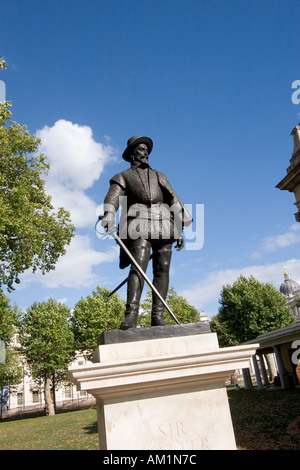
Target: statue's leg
162,253
140,249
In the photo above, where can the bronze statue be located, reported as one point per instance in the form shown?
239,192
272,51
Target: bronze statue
152,217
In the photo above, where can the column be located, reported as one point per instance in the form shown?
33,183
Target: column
263,369
247,379
257,373
271,366
280,365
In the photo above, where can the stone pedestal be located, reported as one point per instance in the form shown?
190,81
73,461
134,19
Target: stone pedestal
162,393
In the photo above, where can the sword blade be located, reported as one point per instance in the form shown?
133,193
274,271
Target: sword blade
119,287
120,242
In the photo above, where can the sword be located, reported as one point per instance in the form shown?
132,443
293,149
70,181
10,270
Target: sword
122,245
119,287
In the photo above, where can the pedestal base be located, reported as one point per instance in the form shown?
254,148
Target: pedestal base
163,394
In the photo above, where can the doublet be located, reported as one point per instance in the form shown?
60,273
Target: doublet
146,194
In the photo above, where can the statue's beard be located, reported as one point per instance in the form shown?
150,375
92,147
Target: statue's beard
140,160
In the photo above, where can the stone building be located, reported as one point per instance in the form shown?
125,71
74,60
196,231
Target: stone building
291,182
29,396
283,344
291,290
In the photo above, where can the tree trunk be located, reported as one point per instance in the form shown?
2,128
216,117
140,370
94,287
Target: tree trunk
49,406
54,394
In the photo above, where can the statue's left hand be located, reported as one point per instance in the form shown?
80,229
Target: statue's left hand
180,244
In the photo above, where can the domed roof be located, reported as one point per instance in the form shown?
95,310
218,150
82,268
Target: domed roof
288,286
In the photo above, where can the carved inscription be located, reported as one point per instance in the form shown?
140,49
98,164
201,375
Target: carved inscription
172,430
174,436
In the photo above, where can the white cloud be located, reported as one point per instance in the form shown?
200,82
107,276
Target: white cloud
208,290
76,159
76,162
276,242
81,207
75,268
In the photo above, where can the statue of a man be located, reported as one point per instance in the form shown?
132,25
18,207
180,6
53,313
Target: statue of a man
152,218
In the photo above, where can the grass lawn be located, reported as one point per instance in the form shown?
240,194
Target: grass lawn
262,420
74,430
266,419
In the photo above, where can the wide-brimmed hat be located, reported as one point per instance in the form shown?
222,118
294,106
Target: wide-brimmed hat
133,142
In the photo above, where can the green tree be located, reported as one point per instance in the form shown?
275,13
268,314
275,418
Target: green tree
2,63
9,317
32,234
248,309
184,312
48,344
10,371
93,315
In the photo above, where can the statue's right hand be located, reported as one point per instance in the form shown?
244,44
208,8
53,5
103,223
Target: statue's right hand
108,221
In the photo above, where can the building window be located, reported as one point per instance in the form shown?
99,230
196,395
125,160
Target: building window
35,396
20,399
68,392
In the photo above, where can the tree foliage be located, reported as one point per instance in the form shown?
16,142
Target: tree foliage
9,316
93,315
47,342
10,371
32,234
2,63
184,312
248,309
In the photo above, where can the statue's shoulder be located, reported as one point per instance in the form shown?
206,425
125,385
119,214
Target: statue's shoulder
119,179
122,178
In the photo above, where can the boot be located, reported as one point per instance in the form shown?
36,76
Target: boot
161,265
133,299
157,319
130,321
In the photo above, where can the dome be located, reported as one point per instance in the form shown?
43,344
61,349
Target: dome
288,286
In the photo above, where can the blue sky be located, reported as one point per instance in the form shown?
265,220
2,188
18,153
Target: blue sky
209,81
